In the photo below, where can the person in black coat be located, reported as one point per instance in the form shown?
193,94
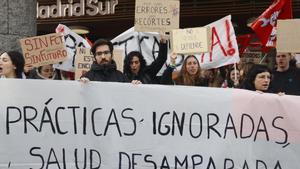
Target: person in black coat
135,67
286,77
258,79
104,67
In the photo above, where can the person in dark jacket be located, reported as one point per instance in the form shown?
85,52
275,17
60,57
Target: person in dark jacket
104,68
258,79
135,67
44,72
286,78
189,75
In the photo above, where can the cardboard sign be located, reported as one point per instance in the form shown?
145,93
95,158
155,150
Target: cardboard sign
44,50
118,58
191,40
288,35
156,15
84,59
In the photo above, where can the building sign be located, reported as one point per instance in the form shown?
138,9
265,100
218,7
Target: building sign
82,8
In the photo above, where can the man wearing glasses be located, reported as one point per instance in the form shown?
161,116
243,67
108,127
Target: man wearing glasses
104,68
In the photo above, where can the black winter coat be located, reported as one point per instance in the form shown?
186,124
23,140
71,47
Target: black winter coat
105,72
147,75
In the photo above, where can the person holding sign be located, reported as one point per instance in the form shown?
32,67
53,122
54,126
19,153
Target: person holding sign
189,75
258,79
135,67
104,67
12,65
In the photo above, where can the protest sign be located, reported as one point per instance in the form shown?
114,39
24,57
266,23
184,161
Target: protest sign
72,41
224,48
118,58
288,35
84,59
156,15
44,50
191,40
106,125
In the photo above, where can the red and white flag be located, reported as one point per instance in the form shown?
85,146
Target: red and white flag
265,25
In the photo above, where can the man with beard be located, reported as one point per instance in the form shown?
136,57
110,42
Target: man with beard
286,78
104,68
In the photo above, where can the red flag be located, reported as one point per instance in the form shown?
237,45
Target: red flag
265,25
243,42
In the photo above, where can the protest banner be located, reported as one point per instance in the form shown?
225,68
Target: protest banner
288,35
156,15
224,48
84,59
123,126
147,43
44,50
72,41
191,40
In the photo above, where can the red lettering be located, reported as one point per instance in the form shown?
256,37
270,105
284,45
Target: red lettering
231,50
214,35
28,43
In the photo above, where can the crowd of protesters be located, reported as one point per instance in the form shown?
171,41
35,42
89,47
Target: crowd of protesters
284,78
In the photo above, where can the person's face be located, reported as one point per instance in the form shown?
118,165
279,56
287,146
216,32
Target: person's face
232,74
135,65
47,71
7,68
262,81
103,54
282,61
192,66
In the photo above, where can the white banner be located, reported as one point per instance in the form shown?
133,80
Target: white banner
224,48
72,41
100,125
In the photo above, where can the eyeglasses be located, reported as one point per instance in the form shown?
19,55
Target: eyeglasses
105,53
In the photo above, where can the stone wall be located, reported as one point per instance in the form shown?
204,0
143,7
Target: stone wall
18,20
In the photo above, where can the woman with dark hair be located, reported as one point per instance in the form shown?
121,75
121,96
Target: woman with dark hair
189,75
45,72
12,65
233,78
135,67
258,79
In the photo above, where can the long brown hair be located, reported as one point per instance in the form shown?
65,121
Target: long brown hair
184,78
